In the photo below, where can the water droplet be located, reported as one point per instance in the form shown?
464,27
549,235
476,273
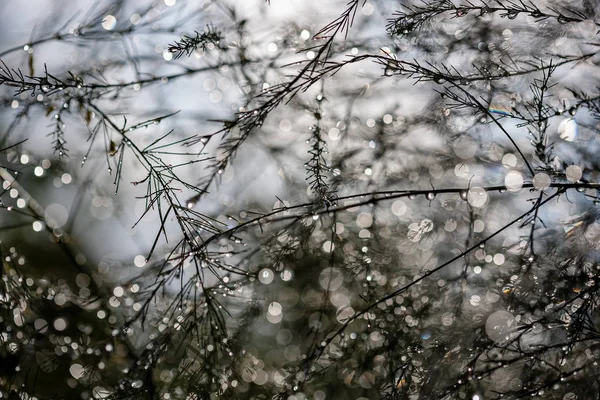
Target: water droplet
430,196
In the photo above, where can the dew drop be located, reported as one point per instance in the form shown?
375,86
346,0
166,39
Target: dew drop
512,14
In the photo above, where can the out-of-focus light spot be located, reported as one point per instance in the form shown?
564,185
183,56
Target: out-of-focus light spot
60,324
209,84
152,15
568,130
215,96
139,261
509,160
398,208
224,84
331,279
275,308
56,215
77,371
109,22
285,125
135,19
500,325
40,325
101,207
513,181
286,275
465,147
266,276
541,181
334,134
499,259
37,226
574,173
66,178
477,197
368,9
364,220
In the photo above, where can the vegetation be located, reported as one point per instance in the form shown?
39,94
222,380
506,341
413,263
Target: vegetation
294,200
